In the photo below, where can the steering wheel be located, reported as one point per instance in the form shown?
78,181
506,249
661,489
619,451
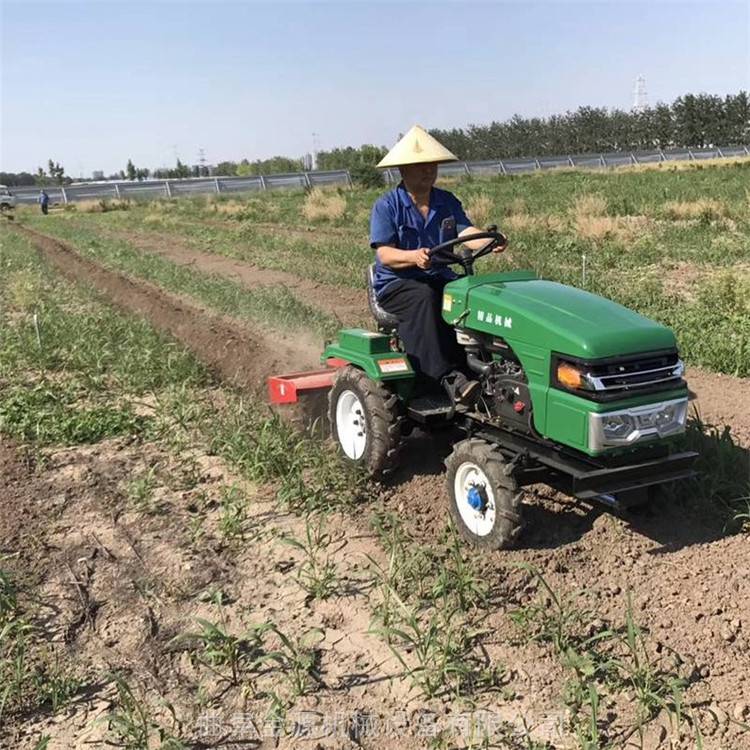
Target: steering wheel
443,254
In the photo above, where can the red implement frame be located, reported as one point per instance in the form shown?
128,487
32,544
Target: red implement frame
286,389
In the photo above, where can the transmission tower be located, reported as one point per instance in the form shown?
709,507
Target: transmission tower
640,97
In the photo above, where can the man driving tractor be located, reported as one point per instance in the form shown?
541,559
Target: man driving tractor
405,223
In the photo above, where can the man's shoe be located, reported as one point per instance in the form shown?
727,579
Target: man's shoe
460,389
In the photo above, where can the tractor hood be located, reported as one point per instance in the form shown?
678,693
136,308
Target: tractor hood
520,307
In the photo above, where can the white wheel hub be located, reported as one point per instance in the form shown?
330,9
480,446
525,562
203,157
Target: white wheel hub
351,425
474,498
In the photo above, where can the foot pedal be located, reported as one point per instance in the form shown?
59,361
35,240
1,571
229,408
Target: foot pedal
430,408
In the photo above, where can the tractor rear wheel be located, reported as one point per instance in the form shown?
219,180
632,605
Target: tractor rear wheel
484,498
365,420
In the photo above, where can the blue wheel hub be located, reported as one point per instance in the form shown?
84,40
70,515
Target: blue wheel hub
476,499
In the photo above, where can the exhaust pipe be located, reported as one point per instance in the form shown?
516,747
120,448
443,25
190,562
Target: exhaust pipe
476,365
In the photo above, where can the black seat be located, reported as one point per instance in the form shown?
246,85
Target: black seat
387,322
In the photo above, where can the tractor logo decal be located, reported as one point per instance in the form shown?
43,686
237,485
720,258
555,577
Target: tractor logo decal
393,365
500,321
447,302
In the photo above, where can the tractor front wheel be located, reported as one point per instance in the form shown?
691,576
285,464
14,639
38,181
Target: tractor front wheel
365,420
484,498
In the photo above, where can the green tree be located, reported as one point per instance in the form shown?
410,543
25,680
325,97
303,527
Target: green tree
226,168
350,157
130,170
56,172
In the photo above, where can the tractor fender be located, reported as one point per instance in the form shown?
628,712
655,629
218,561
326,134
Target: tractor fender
372,353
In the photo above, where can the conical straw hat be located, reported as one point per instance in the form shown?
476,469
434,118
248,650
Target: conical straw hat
416,147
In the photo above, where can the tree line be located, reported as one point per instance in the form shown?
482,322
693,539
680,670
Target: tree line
691,121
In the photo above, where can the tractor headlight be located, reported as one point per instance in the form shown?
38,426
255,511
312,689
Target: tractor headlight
571,376
628,426
617,426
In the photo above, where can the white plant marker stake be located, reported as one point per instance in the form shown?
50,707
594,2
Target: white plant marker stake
36,328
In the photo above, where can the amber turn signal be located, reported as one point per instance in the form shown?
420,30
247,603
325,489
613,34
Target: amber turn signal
568,376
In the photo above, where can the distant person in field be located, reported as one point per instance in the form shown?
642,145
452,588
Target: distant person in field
405,224
43,201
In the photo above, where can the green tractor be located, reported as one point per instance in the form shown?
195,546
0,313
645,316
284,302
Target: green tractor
576,391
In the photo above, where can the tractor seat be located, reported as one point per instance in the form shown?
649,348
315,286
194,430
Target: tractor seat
387,322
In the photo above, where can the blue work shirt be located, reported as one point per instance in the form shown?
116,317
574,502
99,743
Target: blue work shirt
397,222
43,198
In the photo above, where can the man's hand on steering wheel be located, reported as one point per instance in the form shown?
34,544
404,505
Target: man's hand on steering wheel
423,258
443,254
501,248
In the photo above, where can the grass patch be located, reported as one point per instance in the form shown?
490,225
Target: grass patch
70,367
324,205
47,413
101,206
705,209
480,208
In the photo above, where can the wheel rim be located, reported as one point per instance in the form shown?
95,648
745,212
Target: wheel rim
351,425
474,498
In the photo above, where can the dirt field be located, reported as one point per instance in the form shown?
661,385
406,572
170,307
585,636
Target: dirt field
117,589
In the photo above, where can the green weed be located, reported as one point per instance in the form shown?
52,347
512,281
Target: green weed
50,414
216,647
140,490
601,659
298,659
457,578
132,725
437,650
652,687
31,675
233,518
316,574
722,482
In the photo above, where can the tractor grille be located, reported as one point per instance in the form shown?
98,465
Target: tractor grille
655,372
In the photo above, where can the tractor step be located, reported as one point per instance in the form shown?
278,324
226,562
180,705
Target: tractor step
430,408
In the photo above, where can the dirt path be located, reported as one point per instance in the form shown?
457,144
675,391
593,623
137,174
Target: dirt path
349,306
234,350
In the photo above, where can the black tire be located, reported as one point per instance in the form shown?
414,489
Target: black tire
488,533
382,416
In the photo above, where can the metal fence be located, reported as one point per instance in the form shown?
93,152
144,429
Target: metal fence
146,189
587,161
226,185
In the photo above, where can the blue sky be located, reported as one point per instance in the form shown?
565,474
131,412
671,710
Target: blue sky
92,84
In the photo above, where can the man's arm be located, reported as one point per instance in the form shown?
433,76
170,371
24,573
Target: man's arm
396,259
479,244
